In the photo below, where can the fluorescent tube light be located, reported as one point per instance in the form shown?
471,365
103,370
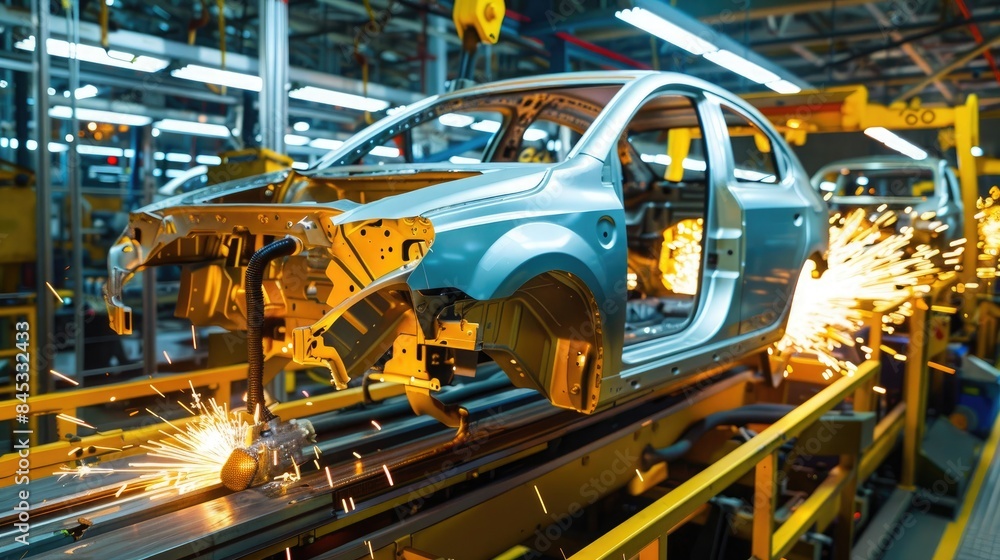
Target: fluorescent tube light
208,160
97,55
300,165
463,159
669,32
218,77
783,86
82,114
194,128
326,143
891,140
736,63
300,126
338,99
456,120
178,157
105,151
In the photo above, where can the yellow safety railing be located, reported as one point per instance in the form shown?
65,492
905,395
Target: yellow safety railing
644,536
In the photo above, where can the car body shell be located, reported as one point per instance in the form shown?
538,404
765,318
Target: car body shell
925,214
523,262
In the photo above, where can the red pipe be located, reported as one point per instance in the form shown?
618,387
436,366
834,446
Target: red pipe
516,16
974,29
585,45
596,49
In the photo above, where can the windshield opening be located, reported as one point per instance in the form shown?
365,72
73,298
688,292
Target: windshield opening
530,126
911,183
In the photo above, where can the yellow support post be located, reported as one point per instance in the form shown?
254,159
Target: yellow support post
915,392
652,523
967,136
764,494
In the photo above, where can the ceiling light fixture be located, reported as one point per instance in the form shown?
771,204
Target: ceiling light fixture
891,140
111,117
218,77
193,128
338,99
97,55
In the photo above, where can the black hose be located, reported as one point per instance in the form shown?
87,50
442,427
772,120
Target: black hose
764,413
255,321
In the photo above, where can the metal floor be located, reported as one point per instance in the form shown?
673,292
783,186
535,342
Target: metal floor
981,539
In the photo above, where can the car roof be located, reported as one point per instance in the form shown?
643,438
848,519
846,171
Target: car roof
888,160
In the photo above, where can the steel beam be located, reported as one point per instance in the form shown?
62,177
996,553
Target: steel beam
947,69
273,54
43,328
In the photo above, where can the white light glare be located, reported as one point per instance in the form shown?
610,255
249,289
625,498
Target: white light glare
486,126
456,120
190,127
338,99
385,151
535,134
673,34
207,75
895,142
326,144
463,159
663,159
300,126
977,151
296,140
64,112
97,55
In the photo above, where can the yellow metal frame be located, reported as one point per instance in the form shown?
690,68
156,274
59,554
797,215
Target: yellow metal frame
848,109
759,454
646,533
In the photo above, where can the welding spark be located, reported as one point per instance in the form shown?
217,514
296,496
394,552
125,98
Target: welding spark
55,293
63,377
370,552
329,477
356,454
544,509
186,458
74,420
351,499
377,426
940,367
194,455
388,475
344,503
157,390
167,356
863,265
879,390
194,338
680,257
